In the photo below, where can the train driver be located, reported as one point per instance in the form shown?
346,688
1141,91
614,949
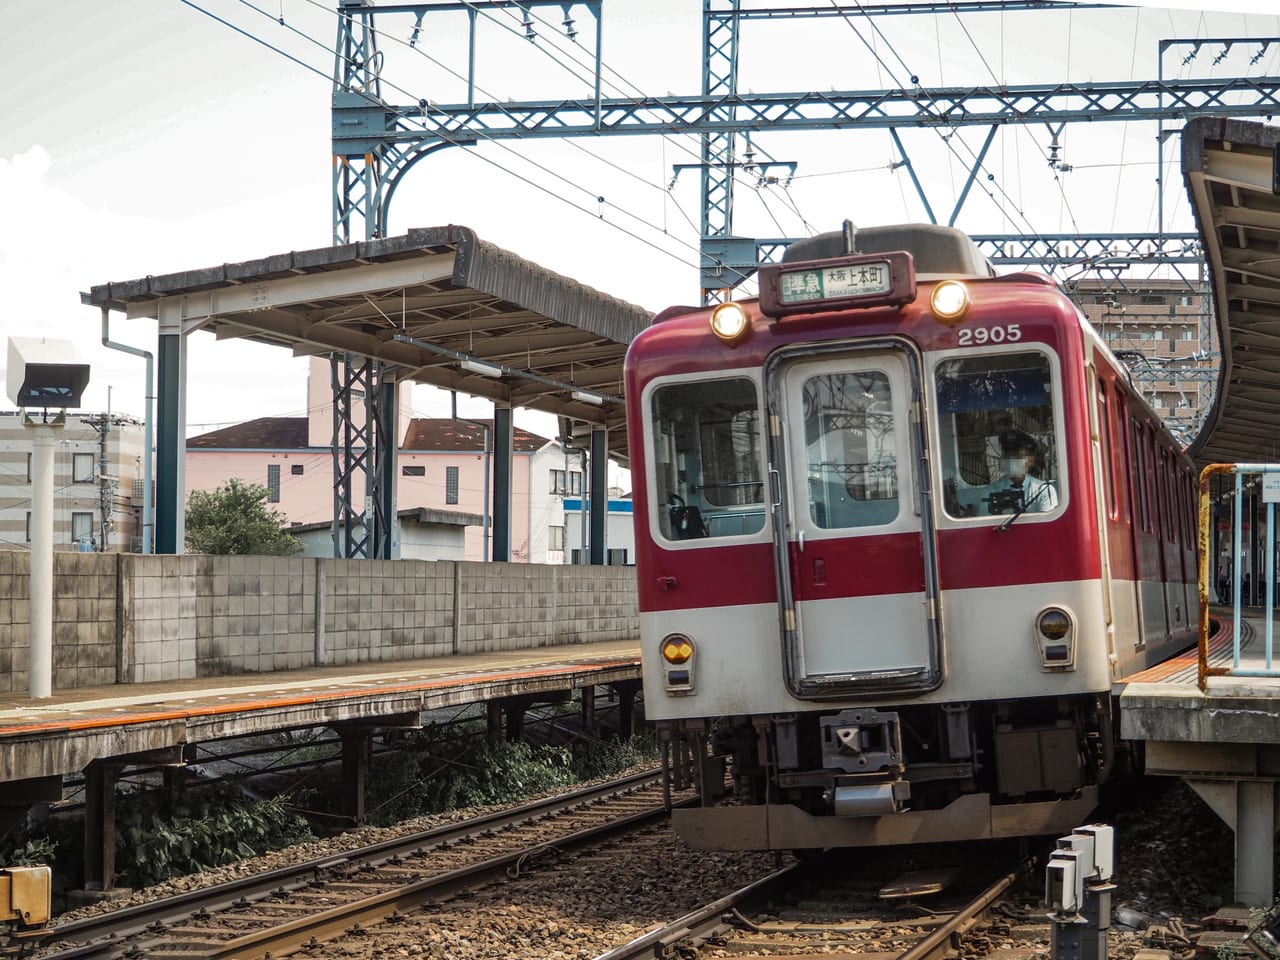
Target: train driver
1021,460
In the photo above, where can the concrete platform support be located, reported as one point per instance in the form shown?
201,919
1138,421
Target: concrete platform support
100,824
626,707
1248,807
589,710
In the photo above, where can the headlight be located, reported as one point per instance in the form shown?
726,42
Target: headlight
950,301
1054,624
1056,639
729,321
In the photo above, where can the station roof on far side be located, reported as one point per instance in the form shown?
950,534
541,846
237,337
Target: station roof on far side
1232,171
439,304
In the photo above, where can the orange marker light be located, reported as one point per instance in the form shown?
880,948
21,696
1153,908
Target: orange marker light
677,648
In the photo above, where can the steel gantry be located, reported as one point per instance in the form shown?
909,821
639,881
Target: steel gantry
375,142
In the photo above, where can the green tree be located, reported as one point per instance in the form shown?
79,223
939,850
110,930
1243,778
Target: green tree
236,519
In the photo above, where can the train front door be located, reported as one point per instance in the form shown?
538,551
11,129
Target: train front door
857,572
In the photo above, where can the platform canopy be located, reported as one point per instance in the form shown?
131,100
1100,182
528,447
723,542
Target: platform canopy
440,305
1232,171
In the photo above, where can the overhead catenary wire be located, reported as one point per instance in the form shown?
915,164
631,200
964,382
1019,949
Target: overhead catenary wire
418,124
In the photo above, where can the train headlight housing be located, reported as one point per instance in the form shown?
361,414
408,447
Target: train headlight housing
1055,636
950,301
729,322
677,663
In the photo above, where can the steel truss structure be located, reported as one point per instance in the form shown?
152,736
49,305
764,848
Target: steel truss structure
376,143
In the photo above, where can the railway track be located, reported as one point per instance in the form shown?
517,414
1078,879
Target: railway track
802,910
304,905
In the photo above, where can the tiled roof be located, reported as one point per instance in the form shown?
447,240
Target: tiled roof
265,433
445,434
290,433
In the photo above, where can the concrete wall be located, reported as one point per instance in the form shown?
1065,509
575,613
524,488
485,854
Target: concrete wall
122,618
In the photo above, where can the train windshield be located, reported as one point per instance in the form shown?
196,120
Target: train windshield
707,459
850,449
997,434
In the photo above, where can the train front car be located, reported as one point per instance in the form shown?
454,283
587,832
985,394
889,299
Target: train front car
868,550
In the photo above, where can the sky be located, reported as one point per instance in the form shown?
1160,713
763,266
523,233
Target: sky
145,137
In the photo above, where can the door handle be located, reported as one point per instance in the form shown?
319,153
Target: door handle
800,541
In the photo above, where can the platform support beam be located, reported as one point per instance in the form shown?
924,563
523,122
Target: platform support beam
171,444
493,712
357,751
589,710
626,692
503,449
1248,807
599,488
100,824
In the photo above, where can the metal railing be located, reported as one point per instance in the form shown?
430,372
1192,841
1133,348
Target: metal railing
1265,477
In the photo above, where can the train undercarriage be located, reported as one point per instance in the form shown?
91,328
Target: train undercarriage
864,776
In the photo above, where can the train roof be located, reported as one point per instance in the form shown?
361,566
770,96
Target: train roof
939,252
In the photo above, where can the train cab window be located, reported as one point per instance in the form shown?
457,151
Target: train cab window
708,459
851,459
998,440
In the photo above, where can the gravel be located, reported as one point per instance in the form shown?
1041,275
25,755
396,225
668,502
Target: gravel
1174,866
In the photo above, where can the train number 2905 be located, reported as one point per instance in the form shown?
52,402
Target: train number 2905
977,336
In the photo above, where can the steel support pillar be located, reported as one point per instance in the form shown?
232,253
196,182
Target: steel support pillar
386,419
354,451
599,492
100,824
1248,807
357,751
171,439
503,448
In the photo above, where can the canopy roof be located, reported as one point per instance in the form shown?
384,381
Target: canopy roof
440,305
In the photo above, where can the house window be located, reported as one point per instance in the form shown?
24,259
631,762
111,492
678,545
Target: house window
555,538
409,471
28,473
82,468
450,484
566,483
81,527
273,483
28,526
296,470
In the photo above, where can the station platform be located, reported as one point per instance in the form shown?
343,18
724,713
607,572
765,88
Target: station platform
1223,740
63,733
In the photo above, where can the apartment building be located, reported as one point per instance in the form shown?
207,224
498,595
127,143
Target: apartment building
1164,329
97,483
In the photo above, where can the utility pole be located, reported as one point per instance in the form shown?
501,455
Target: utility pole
106,485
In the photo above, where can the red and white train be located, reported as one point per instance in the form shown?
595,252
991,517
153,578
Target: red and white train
900,523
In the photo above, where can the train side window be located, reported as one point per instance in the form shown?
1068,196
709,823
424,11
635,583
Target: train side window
1139,472
998,443
1168,493
1104,440
708,459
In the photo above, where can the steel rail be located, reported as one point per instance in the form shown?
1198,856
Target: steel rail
697,927
326,925
132,921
